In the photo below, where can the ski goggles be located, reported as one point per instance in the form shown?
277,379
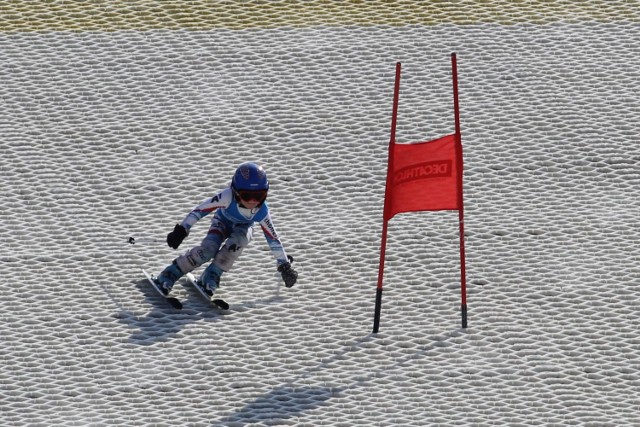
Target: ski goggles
248,195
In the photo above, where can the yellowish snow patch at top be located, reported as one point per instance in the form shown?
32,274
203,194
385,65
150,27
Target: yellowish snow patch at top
113,15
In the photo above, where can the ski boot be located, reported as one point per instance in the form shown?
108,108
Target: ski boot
210,279
167,278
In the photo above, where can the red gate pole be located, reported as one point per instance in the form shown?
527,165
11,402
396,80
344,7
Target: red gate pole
387,201
463,273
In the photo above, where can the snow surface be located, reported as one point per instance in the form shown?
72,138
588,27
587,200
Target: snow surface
110,135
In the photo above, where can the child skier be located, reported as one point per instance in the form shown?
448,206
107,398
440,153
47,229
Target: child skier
236,208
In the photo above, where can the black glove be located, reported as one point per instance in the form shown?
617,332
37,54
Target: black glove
289,275
176,236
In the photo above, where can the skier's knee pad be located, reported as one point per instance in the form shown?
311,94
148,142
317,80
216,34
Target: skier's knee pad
227,256
232,248
195,257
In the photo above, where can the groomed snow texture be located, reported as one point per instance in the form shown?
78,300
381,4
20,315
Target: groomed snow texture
107,136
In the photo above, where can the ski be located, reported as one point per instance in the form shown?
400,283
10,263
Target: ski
220,303
174,302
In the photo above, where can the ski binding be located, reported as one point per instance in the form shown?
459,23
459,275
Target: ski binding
174,302
220,303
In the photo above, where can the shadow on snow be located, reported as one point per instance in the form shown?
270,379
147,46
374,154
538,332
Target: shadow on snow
280,404
164,321
290,400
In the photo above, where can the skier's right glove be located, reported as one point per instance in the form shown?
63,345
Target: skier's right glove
289,275
176,236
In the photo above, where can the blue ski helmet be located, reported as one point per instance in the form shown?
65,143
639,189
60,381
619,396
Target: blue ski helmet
250,182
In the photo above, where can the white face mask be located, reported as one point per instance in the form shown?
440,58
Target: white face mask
246,212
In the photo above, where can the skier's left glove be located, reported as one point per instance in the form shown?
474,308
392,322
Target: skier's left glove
176,236
289,275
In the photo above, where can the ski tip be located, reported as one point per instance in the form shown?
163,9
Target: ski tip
175,303
222,304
